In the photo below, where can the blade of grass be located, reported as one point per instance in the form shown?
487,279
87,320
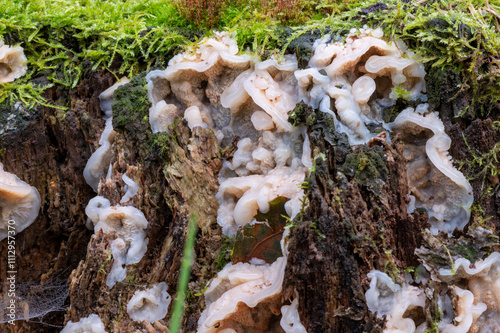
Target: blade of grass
187,262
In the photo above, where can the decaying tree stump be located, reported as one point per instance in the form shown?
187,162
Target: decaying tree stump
355,219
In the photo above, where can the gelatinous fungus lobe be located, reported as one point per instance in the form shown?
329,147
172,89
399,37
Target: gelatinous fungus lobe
435,184
19,203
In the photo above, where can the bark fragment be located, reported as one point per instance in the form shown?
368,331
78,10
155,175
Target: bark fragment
349,228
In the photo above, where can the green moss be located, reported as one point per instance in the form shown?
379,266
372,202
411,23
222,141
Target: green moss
467,251
131,116
131,106
482,165
433,311
400,92
443,89
390,113
63,39
433,329
367,167
101,268
25,91
438,251
224,255
302,114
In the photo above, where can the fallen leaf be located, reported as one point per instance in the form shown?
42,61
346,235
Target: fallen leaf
262,240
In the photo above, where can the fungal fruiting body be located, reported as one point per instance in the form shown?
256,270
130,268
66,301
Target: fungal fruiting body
98,164
290,319
243,296
387,298
249,99
150,304
246,98
131,188
90,324
241,198
435,184
214,87
270,85
125,227
470,301
482,279
356,77
175,91
19,204
12,63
